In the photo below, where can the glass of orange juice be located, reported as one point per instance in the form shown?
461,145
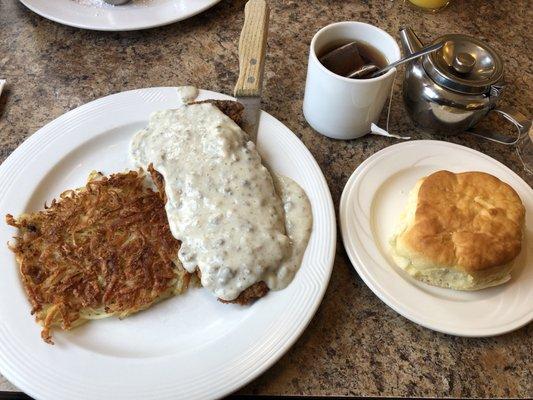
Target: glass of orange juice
430,5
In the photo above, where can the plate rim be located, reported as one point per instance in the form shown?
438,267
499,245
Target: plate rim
245,378
107,28
355,260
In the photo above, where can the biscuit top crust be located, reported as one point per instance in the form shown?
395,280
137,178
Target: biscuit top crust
471,220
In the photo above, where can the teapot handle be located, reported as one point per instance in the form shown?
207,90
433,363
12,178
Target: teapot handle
521,123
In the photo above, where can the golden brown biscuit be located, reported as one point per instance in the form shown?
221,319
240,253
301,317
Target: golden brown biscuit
460,231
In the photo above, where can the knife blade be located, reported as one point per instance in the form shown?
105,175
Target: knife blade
252,49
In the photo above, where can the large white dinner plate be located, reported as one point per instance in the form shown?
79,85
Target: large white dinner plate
139,14
370,204
189,347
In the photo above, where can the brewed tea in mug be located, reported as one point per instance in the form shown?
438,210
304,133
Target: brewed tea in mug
368,53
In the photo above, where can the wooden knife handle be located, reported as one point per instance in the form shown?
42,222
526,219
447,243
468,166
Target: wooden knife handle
252,48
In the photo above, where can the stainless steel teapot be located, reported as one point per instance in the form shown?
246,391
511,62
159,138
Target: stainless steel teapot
452,89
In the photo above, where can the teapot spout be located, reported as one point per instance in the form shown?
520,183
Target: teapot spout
410,42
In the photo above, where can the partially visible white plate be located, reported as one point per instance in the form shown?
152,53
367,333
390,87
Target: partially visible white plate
139,14
370,205
189,347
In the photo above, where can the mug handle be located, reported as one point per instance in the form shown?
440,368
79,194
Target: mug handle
518,119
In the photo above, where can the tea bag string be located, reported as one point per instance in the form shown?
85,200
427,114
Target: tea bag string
390,101
376,130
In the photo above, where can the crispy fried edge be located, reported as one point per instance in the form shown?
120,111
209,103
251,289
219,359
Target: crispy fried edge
47,316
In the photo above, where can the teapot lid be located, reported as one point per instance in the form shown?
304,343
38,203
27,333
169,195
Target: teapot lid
464,64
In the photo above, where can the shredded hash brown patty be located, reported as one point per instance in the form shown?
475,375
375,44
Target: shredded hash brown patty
103,250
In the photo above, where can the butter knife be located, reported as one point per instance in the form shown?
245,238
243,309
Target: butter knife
252,49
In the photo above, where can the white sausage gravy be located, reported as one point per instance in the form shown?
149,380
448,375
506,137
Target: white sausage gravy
238,224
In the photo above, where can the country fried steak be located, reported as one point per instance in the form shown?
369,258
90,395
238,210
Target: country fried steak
233,110
99,251
249,295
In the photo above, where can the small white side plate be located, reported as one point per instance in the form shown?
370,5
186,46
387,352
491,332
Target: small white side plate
188,347
139,14
370,205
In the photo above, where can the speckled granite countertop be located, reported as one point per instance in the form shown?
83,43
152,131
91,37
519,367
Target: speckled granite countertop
355,345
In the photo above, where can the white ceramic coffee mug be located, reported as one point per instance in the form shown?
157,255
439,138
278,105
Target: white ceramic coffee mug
344,108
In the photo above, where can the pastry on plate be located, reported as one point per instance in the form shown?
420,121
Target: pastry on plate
460,231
